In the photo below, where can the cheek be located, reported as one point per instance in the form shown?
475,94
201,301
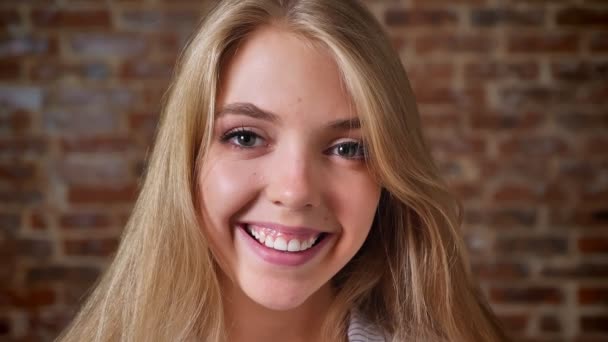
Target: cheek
226,186
356,206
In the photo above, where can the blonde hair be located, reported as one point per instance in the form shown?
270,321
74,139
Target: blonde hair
410,278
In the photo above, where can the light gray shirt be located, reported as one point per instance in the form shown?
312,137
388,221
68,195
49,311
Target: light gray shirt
361,330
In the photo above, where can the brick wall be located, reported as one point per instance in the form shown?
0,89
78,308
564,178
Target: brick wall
513,95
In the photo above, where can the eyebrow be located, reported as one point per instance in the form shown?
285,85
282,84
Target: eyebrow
251,110
248,109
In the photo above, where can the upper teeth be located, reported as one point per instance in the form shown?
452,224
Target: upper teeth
281,244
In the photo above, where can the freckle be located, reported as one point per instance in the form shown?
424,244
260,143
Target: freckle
299,99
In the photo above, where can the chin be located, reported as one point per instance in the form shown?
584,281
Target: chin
279,297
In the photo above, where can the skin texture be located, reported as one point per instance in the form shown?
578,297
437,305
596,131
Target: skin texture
293,173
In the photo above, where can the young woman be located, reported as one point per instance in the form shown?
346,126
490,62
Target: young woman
289,196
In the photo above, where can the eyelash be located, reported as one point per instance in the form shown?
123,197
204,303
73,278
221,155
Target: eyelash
226,137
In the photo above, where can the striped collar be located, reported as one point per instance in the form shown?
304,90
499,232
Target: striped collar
361,330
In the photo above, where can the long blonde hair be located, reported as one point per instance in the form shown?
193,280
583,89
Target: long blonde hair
410,277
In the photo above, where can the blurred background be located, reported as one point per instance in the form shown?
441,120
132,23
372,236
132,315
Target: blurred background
513,97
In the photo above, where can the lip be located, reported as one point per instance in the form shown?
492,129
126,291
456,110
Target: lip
281,258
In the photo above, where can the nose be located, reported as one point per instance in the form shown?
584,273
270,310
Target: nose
293,183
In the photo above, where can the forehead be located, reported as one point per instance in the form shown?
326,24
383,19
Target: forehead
286,74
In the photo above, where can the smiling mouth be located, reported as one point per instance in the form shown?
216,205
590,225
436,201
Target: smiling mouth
283,243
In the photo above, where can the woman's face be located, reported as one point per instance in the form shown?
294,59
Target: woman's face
285,190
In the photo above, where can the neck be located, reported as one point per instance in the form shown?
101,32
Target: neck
247,320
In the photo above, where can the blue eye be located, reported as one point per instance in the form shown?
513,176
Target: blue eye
242,138
350,150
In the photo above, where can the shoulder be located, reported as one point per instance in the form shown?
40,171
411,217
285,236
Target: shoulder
361,330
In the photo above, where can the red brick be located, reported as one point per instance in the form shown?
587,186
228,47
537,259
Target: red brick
148,70
580,71
442,119
578,169
35,298
22,146
514,322
524,193
169,43
399,43
505,218
579,271
84,220
53,321
90,247
516,167
101,194
595,93
21,97
458,145
507,16
17,172
10,69
554,193
596,145
5,326
420,72
42,274
21,197
501,271
536,96
526,295
550,323
543,245
9,17
599,42
92,120
532,146
499,70
95,99
454,43
537,43
522,120
150,96
578,16
578,121
28,45
440,95
595,194
109,45
111,169
586,217
97,144
35,248
593,295
19,121
55,70
517,193
159,20
143,121
465,191
473,217
593,245
597,323
54,18
38,221
420,17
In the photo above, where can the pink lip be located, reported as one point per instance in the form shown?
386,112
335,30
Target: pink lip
278,257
